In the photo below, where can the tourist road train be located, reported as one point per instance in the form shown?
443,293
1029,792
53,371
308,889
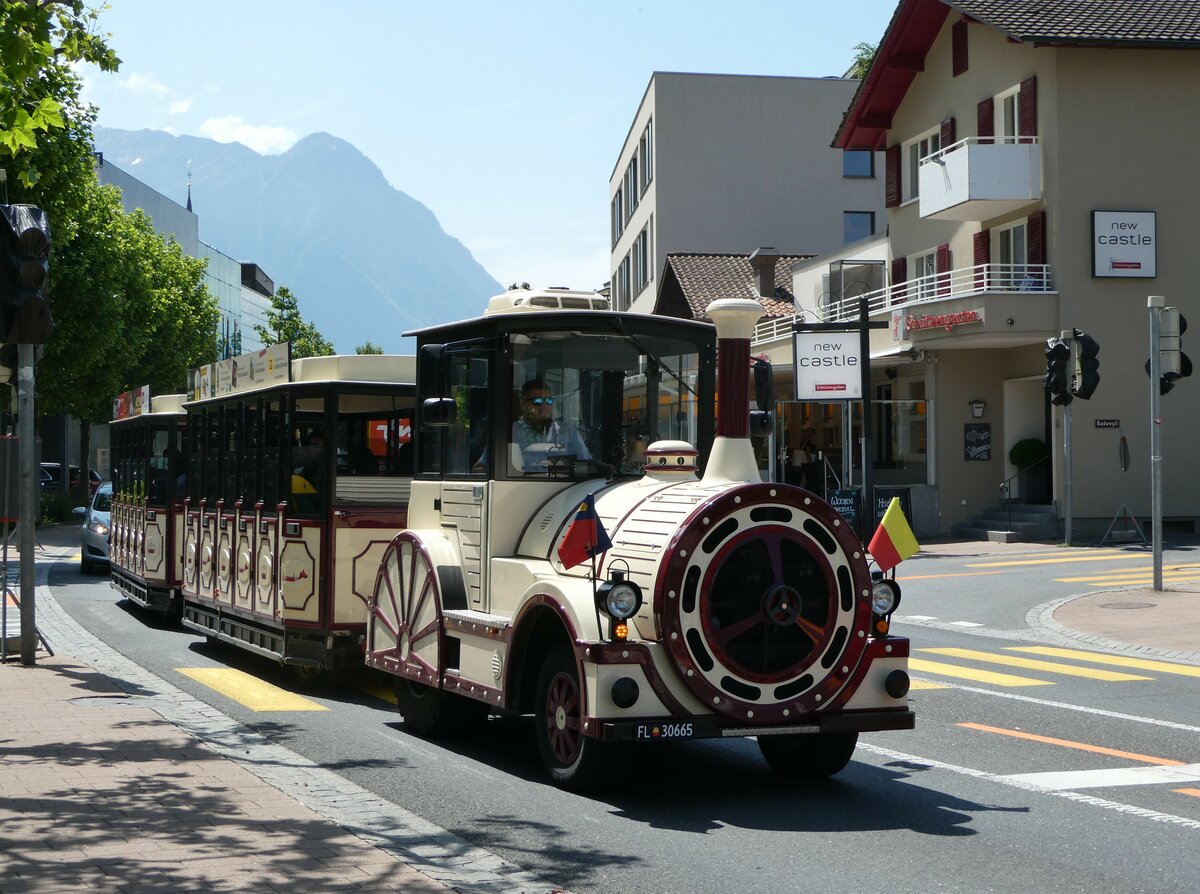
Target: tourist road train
410,512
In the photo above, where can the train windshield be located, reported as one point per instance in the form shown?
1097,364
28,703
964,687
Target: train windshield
587,403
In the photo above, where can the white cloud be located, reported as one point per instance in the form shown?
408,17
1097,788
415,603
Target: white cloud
140,83
261,138
179,106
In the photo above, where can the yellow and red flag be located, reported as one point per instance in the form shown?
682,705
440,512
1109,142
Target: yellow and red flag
585,538
894,540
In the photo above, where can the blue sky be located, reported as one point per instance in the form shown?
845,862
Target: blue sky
503,117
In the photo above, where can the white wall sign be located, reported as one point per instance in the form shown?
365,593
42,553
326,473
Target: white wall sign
828,366
1124,243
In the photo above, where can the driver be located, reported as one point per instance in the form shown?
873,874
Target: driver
538,434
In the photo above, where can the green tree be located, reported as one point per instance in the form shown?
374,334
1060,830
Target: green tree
368,347
284,323
864,55
39,38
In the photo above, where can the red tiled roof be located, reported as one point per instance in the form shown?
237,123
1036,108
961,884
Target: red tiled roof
916,23
693,281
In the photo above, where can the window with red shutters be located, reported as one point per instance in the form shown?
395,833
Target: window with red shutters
891,180
947,132
985,120
899,278
1028,110
1036,238
943,269
982,250
958,49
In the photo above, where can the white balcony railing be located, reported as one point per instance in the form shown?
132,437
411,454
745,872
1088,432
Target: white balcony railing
983,279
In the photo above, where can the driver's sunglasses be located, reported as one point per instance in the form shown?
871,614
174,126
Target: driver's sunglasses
539,401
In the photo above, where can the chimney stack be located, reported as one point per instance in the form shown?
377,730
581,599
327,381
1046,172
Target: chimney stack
762,261
732,457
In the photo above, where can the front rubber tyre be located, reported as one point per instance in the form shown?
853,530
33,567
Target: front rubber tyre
573,760
435,713
808,756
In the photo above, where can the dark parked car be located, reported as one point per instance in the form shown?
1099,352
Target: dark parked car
52,477
93,537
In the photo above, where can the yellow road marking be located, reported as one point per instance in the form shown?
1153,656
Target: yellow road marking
1147,664
926,684
938,576
1143,580
255,694
1060,560
1079,746
967,673
1034,664
1194,792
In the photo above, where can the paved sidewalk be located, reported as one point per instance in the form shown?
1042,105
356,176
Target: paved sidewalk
112,779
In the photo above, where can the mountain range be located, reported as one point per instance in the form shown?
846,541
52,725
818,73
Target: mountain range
365,260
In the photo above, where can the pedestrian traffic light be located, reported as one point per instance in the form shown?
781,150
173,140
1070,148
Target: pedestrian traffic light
24,275
1087,366
1058,353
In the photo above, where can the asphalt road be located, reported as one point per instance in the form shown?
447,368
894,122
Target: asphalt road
954,805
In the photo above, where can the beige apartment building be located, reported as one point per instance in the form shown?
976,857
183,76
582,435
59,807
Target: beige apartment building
728,163
1039,178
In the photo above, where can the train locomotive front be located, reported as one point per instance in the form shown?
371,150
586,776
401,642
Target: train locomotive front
725,606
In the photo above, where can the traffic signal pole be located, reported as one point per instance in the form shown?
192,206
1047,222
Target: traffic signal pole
1068,337
27,501
1155,304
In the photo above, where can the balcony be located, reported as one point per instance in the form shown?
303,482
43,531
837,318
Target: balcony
979,178
1022,291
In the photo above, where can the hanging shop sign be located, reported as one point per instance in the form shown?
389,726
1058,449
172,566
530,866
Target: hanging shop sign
828,366
1124,244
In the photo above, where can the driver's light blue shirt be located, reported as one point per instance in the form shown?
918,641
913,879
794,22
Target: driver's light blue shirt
557,440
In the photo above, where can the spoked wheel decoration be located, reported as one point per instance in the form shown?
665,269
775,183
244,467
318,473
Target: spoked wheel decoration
563,717
404,612
764,603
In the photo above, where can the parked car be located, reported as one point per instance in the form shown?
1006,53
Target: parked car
52,477
93,552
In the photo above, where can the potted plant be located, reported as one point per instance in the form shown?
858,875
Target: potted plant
1028,455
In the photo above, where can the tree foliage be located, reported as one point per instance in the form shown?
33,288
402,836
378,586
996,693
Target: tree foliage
864,55
128,307
39,38
284,323
368,347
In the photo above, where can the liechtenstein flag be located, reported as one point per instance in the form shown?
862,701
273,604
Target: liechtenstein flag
585,538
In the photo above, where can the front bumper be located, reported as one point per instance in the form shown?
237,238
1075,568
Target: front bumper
670,729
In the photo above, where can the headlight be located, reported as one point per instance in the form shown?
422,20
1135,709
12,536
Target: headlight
620,598
622,601
885,596
98,526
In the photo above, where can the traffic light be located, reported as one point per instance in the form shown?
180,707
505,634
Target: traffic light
1087,374
1173,363
1058,352
24,275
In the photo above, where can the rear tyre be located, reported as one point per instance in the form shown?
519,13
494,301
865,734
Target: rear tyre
573,760
808,756
86,565
435,713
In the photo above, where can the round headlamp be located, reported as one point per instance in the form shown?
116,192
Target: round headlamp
885,596
619,598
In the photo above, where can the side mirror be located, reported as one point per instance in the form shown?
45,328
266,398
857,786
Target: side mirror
764,395
438,412
79,512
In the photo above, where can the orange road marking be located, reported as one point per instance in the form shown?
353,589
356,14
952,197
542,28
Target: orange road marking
1080,746
1195,792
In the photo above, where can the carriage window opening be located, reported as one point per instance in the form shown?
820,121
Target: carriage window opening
309,458
212,456
160,462
235,426
272,433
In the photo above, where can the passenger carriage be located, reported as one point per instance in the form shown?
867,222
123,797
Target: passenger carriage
147,471
298,480
725,605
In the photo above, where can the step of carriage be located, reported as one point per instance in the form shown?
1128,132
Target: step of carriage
467,620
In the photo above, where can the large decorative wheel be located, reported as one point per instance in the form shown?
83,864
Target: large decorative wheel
811,756
573,759
405,638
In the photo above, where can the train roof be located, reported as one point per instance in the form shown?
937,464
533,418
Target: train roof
359,369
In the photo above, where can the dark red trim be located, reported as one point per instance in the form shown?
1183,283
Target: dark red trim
733,387
891,177
1036,238
1027,126
985,120
958,50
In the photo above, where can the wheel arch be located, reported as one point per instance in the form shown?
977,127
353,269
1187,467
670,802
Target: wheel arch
542,624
